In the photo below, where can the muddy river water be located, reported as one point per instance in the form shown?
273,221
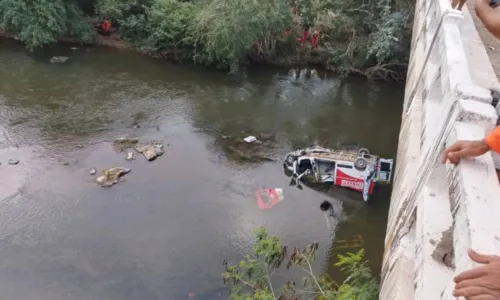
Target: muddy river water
163,231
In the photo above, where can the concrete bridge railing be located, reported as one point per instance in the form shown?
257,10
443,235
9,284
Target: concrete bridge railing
439,211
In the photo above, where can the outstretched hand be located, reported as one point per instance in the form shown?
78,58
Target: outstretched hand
463,149
481,283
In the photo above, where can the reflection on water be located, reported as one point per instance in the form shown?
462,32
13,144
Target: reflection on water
163,231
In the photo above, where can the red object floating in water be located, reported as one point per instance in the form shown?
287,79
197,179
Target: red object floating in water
267,198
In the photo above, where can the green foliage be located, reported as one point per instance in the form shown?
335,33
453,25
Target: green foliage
156,25
359,284
251,277
358,36
40,22
169,24
119,10
134,30
76,25
229,30
366,35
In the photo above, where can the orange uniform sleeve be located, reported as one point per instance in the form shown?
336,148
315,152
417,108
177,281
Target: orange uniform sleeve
493,140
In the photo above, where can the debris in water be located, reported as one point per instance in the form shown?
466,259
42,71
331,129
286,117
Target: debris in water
250,139
59,59
79,146
151,150
130,156
327,206
267,198
110,176
121,144
123,140
65,163
13,161
93,172
251,148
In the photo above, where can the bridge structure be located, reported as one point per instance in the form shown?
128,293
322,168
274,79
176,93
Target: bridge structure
438,210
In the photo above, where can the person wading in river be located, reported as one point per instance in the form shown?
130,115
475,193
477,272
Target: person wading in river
481,283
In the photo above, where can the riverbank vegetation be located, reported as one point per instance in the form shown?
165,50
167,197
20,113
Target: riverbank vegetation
252,277
361,36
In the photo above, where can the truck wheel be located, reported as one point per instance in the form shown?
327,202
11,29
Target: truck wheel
363,151
290,159
360,164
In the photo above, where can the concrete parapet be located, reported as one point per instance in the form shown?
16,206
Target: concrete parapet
439,211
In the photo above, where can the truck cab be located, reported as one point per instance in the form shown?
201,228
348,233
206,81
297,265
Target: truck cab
384,167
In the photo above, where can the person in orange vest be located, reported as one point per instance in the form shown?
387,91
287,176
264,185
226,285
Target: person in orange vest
482,282
315,38
463,149
287,32
305,36
106,26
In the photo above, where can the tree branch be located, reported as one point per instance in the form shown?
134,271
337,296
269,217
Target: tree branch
310,272
270,284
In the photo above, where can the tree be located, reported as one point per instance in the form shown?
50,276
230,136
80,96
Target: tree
252,277
119,10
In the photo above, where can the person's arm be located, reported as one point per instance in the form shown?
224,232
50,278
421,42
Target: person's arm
489,16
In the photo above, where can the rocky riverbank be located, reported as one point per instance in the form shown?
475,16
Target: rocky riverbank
303,56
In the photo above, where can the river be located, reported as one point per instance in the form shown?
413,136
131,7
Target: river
163,231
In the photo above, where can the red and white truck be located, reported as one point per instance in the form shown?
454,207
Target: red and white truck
356,170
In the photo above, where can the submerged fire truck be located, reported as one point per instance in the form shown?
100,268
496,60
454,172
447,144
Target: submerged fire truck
356,170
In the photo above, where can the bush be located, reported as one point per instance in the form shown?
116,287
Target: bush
227,31
77,26
170,26
163,25
40,22
370,36
251,278
119,10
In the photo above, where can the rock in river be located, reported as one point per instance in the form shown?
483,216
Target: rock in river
59,59
150,150
13,161
124,143
93,172
130,156
110,176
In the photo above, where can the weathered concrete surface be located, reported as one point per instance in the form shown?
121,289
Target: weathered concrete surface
438,211
491,43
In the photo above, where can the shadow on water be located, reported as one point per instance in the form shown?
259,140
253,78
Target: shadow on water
163,231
